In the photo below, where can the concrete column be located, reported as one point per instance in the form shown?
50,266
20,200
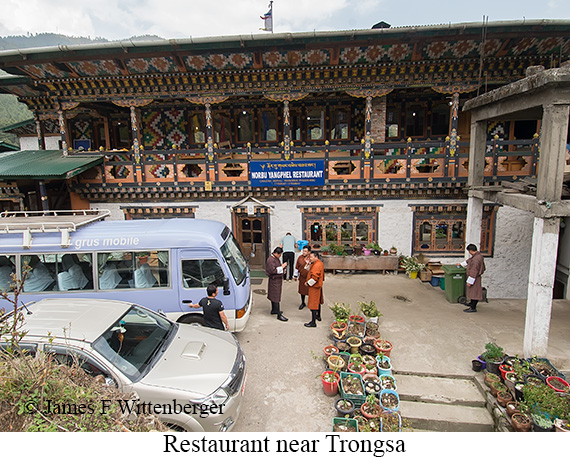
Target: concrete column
540,284
477,147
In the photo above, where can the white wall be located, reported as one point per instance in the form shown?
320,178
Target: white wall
30,143
507,271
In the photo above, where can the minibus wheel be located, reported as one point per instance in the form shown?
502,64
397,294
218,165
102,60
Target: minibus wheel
192,319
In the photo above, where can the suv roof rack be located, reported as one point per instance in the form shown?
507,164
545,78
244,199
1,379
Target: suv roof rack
64,221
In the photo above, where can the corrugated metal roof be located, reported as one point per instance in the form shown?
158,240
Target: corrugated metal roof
44,164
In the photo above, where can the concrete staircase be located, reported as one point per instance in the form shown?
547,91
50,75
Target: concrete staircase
443,403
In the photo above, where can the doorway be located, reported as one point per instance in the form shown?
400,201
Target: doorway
252,236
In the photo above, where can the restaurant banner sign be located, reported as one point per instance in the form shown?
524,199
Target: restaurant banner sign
285,173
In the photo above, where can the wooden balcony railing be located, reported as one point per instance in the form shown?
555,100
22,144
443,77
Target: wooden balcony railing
429,161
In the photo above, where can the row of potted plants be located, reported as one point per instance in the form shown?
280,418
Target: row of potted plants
359,368
532,391
369,249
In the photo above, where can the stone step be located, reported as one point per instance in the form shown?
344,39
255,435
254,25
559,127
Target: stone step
446,418
435,389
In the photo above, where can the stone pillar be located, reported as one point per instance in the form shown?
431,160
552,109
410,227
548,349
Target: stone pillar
476,176
378,119
540,284
209,144
545,234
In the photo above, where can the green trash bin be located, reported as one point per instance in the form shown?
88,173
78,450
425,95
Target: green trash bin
454,282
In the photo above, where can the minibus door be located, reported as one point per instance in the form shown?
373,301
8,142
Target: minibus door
198,269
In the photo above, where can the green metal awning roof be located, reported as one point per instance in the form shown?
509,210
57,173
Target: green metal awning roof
44,164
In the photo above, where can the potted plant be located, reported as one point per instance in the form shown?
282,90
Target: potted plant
356,329
370,408
370,311
372,387
341,312
372,330
336,362
541,423
344,407
521,422
390,400
357,366
354,343
562,425
344,424
330,381
383,364
491,378
412,266
393,250
503,397
494,356
391,422
497,387
388,382
383,347
512,407
142,257
330,349
558,384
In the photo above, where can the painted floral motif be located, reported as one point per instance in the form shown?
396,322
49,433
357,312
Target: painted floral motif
464,47
273,59
163,64
316,57
46,70
138,65
437,49
375,53
523,45
294,58
240,60
196,62
218,61
550,45
492,46
351,55
399,52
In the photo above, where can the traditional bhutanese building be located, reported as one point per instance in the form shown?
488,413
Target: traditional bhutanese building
345,137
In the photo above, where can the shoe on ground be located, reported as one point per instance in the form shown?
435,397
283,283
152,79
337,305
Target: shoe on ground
302,305
466,304
310,324
319,318
470,310
282,318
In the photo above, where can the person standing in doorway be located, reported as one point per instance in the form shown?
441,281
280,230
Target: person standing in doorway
288,245
213,309
474,268
315,280
274,270
301,271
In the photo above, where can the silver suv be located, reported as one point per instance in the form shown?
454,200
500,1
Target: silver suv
191,377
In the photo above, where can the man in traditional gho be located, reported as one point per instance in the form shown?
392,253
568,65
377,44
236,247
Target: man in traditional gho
274,270
315,280
301,271
474,268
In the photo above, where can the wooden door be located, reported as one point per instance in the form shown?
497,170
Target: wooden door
252,238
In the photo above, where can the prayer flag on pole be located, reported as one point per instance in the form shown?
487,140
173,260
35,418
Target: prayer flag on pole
268,18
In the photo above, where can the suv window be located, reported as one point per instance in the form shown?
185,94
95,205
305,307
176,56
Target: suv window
134,340
69,356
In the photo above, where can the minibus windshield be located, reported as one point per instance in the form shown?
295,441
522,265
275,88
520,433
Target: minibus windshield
235,259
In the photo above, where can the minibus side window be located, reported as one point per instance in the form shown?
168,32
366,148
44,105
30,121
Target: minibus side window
7,268
133,269
200,273
42,274
75,271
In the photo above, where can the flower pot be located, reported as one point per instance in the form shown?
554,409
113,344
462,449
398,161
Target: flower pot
356,319
344,407
372,388
512,407
503,398
518,391
482,361
383,346
344,424
361,371
354,343
521,422
371,377
343,346
384,365
388,382
541,423
561,425
367,349
476,365
491,378
370,411
497,387
558,384
510,379
367,251
390,400
330,388
413,274
391,422
533,380
336,362
504,368
330,350
493,366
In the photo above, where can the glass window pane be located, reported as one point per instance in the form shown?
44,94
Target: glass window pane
245,126
222,129
362,232
441,236
316,123
76,272
268,126
415,120
332,232
339,124
133,269
317,232
201,273
198,128
7,268
440,119
42,274
346,233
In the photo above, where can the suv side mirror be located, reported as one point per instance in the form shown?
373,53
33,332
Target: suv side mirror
226,284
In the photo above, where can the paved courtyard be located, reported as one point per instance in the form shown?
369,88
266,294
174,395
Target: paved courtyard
430,335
